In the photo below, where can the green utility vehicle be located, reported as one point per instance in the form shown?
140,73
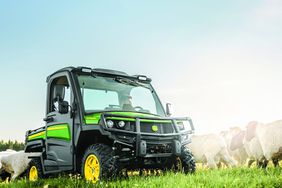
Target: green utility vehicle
100,122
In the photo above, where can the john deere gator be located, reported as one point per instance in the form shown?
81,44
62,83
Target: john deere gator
100,122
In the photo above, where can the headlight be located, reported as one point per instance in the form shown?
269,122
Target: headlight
180,125
110,124
121,124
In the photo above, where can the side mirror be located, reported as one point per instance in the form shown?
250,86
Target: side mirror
63,107
168,109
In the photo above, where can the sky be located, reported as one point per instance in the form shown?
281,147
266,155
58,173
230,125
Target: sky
218,62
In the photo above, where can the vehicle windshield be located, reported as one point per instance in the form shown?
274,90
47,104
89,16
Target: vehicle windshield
101,93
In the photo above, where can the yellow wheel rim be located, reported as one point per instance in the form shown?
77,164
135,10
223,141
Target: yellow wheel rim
33,174
178,164
92,168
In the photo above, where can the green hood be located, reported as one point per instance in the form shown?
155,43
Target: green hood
95,117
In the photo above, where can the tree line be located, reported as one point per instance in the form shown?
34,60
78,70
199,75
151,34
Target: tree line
15,145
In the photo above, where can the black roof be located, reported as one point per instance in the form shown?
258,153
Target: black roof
96,70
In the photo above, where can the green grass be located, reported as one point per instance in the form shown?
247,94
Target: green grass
236,177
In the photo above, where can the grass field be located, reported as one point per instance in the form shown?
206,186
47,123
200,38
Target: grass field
236,177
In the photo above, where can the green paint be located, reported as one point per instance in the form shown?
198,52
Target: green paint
92,119
60,131
121,118
36,136
179,121
154,121
133,114
141,120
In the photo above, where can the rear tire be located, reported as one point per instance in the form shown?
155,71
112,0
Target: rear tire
34,170
98,163
4,175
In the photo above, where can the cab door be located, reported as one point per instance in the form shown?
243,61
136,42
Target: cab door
59,123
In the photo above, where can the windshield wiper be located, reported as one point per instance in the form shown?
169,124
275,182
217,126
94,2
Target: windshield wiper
131,82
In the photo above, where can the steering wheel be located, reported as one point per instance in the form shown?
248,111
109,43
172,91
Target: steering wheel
114,106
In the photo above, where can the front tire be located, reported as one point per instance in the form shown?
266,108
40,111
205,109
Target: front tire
185,162
98,163
34,171
188,161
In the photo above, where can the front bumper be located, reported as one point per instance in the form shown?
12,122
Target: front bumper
147,145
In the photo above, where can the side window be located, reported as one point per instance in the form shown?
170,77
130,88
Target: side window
59,91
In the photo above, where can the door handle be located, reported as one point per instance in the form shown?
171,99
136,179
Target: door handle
48,119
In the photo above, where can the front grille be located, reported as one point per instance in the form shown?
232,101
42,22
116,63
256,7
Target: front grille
162,128
161,148
146,127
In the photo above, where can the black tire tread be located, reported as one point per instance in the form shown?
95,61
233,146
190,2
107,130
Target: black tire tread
188,161
106,158
35,162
